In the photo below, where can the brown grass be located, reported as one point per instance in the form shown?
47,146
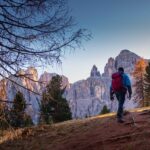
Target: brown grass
95,133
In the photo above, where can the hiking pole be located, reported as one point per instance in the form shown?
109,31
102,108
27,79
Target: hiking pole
131,115
133,119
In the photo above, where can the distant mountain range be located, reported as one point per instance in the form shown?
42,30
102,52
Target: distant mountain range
85,97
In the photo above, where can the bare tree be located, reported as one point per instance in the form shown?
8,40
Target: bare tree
35,32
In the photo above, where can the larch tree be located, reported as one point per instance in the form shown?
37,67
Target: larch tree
147,86
35,31
138,75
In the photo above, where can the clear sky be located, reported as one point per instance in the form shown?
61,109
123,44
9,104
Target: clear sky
115,25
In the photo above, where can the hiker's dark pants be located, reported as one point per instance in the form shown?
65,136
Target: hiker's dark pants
121,98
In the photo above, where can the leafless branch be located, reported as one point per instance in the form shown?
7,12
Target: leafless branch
35,31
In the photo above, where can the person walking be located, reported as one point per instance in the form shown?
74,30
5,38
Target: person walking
120,85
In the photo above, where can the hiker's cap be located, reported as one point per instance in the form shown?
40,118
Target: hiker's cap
120,69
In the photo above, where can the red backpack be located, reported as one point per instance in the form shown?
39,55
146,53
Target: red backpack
117,82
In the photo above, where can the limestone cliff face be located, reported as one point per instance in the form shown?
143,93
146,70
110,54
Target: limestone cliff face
95,72
29,80
109,68
46,77
31,98
86,97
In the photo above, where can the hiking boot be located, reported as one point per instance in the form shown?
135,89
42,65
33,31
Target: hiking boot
119,120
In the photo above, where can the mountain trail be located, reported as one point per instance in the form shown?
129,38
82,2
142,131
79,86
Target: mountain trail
95,133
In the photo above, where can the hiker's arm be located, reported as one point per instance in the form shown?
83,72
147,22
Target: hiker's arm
129,86
129,90
111,93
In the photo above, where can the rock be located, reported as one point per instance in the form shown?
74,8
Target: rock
86,97
30,97
95,72
127,60
109,68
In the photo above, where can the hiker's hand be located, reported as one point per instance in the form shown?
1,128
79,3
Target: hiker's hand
111,98
129,96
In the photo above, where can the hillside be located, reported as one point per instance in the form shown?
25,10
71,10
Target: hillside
95,133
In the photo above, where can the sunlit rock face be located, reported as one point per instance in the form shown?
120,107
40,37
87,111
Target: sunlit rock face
29,80
87,97
31,98
46,77
109,68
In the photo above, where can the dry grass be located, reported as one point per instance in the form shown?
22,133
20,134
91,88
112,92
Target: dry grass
95,131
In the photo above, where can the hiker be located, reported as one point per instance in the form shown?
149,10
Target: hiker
119,86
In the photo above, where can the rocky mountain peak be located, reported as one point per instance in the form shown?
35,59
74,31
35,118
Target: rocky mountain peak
127,60
32,73
125,51
95,72
109,68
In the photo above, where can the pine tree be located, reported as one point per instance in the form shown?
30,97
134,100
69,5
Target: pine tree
18,117
105,110
54,106
138,75
4,119
147,86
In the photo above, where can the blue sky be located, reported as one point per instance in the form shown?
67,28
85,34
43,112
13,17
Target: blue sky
115,25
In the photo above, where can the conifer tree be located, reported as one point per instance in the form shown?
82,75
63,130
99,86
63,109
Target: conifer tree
54,106
18,117
105,110
138,75
147,86
4,119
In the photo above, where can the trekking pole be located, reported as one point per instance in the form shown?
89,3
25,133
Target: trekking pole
131,115
133,119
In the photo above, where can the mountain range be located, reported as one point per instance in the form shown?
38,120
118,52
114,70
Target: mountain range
85,97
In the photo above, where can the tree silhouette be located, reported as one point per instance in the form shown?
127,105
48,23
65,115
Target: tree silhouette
18,116
105,110
54,106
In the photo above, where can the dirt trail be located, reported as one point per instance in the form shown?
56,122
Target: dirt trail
89,134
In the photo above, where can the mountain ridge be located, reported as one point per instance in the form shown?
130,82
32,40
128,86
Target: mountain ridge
86,97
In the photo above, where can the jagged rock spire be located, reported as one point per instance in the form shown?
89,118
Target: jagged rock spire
95,72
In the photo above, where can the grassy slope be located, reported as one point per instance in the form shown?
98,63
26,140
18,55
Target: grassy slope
96,133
